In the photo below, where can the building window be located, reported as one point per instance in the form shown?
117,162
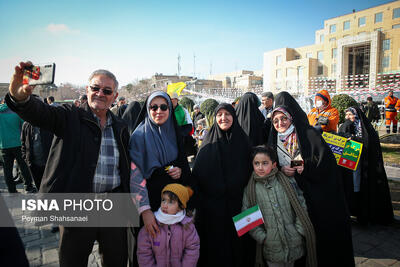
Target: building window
278,60
378,29
297,57
386,45
396,13
346,25
278,74
309,55
361,22
320,70
334,52
378,17
396,26
333,69
333,39
385,62
320,55
321,38
332,28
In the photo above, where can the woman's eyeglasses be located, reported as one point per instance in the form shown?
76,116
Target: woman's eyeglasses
283,120
155,107
106,91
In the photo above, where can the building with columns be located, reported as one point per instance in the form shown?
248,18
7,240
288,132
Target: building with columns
356,52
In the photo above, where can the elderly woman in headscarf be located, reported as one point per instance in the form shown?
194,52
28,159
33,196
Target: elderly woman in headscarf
367,189
303,153
156,151
251,119
221,172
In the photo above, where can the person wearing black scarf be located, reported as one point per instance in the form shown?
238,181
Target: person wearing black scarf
121,110
221,172
131,114
322,188
251,119
367,188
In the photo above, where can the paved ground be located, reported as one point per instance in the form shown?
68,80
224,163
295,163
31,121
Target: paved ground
373,245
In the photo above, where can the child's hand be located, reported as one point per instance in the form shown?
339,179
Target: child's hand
288,171
150,223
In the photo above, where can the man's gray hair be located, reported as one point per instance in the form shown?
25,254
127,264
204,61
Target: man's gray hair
268,95
107,73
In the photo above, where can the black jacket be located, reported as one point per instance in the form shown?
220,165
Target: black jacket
75,149
27,136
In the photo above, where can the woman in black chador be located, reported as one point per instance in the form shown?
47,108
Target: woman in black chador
221,172
131,114
251,119
318,177
367,189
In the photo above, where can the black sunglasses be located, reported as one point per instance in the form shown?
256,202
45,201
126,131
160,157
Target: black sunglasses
106,91
155,107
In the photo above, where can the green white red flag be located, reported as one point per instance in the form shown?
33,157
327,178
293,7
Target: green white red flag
248,220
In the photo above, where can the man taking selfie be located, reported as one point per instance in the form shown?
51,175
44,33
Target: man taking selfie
89,155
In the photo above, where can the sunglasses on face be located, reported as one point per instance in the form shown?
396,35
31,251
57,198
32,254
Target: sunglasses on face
105,91
155,107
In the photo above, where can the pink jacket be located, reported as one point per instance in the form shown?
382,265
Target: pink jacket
177,245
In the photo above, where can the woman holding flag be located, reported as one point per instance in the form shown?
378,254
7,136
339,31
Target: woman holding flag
221,171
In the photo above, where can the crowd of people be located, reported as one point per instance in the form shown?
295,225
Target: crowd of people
268,153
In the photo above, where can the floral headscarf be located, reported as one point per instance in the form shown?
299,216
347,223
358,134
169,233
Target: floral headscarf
289,137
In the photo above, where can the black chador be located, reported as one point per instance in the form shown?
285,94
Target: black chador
221,172
251,119
322,187
372,202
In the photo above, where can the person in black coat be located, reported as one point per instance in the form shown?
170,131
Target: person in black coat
131,114
197,115
317,177
35,147
12,251
220,174
367,188
251,119
88,155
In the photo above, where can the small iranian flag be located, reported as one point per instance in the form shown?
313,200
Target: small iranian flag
248,220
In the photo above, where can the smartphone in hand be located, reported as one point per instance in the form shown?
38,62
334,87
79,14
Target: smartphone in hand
295,163
38,75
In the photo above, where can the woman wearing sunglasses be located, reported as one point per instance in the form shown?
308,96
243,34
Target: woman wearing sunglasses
156,151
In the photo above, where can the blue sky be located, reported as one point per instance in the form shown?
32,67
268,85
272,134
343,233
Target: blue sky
135,39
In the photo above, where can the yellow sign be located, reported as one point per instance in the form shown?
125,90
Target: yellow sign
175,88
347,152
